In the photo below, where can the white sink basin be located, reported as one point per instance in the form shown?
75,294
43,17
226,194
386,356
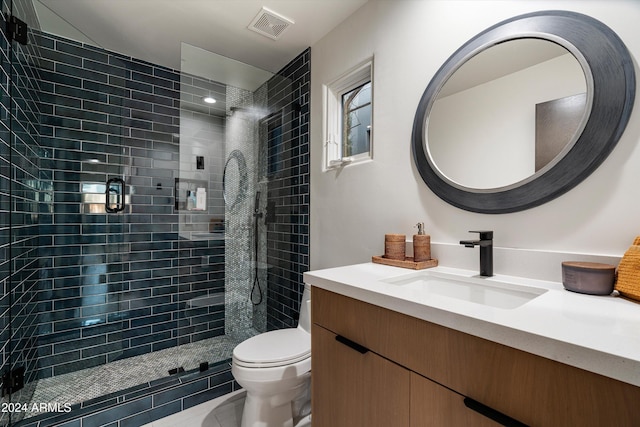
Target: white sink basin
476,290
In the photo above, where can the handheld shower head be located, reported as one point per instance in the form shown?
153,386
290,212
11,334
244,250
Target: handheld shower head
256,206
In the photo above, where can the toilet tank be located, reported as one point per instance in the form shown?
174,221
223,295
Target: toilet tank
304,321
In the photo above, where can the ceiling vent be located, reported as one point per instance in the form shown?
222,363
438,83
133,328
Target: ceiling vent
270,24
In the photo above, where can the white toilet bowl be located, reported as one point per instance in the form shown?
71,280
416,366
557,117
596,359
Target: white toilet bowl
275,369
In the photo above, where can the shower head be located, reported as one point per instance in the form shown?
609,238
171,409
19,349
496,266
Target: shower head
232,110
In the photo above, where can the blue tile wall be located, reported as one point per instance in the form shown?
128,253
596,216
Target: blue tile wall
117,283
288,191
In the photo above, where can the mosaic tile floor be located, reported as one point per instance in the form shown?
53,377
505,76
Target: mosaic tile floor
91,383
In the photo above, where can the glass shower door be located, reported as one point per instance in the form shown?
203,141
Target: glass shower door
66,204
23,203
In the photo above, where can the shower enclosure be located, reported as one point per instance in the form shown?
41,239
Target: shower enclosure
144,232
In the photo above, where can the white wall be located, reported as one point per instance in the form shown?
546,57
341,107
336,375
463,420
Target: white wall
353,208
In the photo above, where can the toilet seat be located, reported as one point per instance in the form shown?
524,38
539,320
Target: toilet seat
272,349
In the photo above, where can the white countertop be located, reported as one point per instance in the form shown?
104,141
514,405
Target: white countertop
600,334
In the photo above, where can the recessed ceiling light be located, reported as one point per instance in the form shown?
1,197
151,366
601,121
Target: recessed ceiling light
209,100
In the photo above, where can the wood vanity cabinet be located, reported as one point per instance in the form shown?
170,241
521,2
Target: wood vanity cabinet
357,388
375,367
435,405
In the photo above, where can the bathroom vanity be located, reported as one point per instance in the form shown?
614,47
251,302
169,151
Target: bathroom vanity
394,347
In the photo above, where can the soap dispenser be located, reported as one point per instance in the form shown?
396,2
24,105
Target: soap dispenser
421,245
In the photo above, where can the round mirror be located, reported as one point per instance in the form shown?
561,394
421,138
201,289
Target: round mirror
235,179
507,113
523,112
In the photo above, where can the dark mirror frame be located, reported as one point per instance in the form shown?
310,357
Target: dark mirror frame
604,58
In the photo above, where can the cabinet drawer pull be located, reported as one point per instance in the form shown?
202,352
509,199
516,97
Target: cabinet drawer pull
354,345
491,413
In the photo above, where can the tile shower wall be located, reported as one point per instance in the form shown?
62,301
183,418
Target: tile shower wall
287,170
113,286
23,203
240,150
118,283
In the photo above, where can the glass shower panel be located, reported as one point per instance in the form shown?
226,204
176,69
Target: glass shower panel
216,199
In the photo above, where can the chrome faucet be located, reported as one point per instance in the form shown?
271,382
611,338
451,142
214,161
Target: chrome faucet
486,251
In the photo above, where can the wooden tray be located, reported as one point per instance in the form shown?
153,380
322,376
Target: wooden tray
407,263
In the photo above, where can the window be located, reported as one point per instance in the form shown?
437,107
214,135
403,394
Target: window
348,117
356,121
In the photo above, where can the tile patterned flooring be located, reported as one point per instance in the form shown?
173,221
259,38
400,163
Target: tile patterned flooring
91,383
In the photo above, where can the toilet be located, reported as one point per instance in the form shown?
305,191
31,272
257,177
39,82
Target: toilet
275,370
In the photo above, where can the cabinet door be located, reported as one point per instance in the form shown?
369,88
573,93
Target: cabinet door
355,387
435,405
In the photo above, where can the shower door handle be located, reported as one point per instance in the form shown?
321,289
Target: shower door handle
114,195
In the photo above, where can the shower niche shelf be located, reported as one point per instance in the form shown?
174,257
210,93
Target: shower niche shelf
184,187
